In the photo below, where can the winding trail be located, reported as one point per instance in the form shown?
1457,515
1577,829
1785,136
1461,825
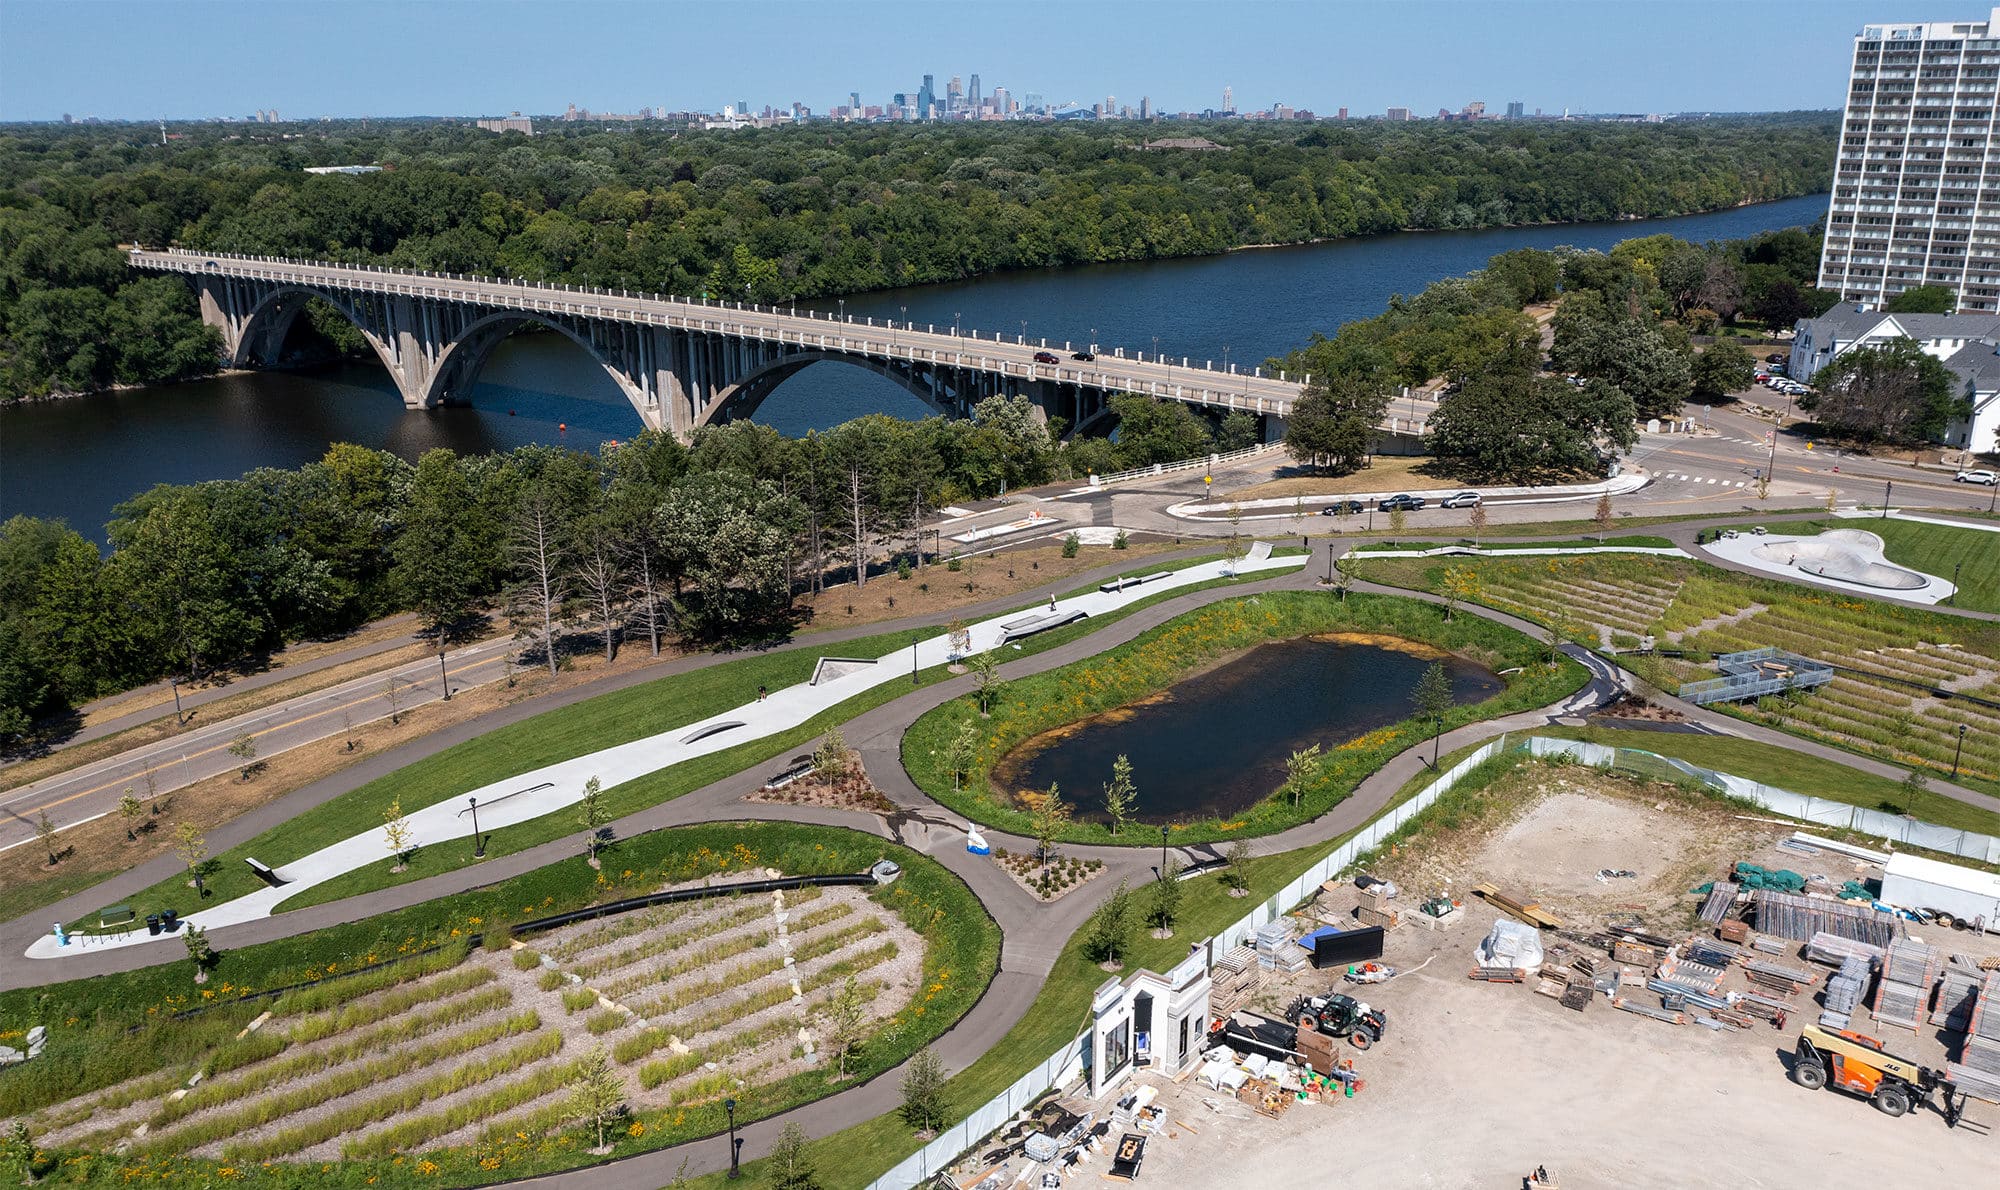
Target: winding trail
1033,934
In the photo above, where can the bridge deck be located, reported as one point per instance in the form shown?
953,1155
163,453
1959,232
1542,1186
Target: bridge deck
1250,391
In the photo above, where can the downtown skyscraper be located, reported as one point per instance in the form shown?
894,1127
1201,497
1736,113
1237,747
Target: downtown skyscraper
1916,188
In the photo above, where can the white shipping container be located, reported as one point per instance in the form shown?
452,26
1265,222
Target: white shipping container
1912,882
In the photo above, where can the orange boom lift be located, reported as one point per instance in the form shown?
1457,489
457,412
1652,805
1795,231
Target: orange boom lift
1859,1065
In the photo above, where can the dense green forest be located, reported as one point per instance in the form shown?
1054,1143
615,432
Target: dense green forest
1623,350
780,213
703,543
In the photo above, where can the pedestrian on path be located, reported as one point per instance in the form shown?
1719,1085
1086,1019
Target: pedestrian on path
1052,603
761,692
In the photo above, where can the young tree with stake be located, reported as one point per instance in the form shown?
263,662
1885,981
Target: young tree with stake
986,675
960,753
1434,700
591,815
131,811
926,1108
791,1168
1050,817
396,833
1120,796
844,1021
244,749
1302,772
193,851
596,1093
46,832
1602,518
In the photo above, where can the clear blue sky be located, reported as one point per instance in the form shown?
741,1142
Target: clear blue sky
307,58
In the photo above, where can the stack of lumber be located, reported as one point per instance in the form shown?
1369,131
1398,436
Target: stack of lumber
1977,1071
1833,950
1527,911
1903,994
1777,978
1721,895
1799,918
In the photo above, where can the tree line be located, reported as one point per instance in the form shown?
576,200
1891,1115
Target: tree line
1622,350
781,213
649,539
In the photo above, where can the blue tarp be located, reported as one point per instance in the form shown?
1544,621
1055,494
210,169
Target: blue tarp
1323,931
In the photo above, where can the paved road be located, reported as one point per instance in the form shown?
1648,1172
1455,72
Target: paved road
279,669
93,790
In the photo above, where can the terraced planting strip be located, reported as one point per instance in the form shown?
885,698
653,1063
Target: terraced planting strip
357,1116
409,1134
345,1081
325,1024
659,946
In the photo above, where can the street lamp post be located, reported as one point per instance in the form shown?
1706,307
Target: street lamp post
954,324
1993,501
179,719
735,1146
1959,752
1887,486
444,675
1164,828
478,840
1956,567
915,639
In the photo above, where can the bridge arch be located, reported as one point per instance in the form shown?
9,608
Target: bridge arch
261,332
741,398
457,368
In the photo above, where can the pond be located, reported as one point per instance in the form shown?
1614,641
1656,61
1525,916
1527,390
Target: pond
1216,743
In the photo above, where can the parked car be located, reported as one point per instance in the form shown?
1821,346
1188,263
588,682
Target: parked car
1980,476
1350,507
1460,500
1776,357
1401,502
1046,357
1085,356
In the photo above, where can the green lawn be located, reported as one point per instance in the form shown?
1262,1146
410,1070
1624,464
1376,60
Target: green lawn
1785,769
600,722
90,1045
1157,659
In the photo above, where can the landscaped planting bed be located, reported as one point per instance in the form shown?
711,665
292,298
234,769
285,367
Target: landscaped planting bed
454,1067
1717,611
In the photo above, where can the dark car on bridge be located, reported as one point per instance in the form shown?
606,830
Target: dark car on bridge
1400,503
1340,507
1085,356
1046,357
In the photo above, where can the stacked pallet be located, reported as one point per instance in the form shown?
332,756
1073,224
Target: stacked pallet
1276,949
1799,918
1957,994
1721,896
1977,1071
1833,950
1844,990
1903,994
1235,979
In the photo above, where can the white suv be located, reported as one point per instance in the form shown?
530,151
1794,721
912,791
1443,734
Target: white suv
1981,476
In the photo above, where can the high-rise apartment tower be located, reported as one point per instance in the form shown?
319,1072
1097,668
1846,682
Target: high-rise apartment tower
1916,186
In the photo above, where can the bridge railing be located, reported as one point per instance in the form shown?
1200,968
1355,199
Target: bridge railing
1258,392
1188,464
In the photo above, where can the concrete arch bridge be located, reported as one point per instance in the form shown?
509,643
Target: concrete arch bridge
682,363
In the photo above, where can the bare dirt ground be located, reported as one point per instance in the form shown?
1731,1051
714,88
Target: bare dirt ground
1476,1084
1386,473
1037,570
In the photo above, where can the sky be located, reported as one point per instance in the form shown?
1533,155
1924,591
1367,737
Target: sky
177,59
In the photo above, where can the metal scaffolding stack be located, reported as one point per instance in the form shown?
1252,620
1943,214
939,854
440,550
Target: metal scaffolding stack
1977,1071
1800,917
1720,898
1844,990
1957,994
1903,994
1833,950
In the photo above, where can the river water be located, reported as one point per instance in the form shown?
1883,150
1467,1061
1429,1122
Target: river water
78,459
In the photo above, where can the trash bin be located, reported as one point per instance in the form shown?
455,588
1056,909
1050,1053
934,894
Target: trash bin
152,923
170,920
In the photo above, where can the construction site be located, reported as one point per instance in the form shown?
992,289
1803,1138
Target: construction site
1573,977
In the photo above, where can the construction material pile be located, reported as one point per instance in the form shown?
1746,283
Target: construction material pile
1801,917
1844,991
1977,1071
1834,950
1903,993
1957,994
1277,950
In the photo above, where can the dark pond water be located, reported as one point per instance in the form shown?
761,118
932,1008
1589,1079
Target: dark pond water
78,459
1216,743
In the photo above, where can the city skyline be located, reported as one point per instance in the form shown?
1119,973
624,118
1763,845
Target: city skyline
233,59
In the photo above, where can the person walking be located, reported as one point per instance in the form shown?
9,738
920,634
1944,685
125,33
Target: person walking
1052,603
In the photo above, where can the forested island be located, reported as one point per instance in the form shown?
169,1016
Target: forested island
782,213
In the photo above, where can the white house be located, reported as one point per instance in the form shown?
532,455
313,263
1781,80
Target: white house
1968,344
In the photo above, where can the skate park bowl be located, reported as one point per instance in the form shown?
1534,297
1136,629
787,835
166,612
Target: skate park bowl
1844,555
